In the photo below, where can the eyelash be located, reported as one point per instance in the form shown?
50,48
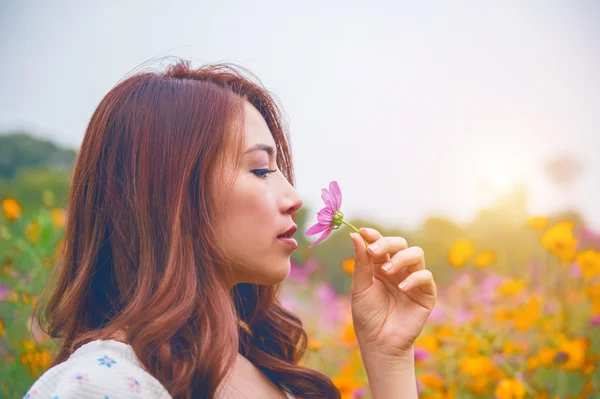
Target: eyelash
263,172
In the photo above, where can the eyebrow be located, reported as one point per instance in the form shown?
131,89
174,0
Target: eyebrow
261,147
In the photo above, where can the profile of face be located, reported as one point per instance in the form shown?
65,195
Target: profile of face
258,209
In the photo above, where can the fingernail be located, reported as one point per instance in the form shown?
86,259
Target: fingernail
374,247
387,267
403,285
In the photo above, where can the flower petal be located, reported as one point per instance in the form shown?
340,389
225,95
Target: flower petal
336,193
325,216
317,228
328,199
321,238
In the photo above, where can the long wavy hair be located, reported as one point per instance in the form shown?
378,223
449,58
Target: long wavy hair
138,255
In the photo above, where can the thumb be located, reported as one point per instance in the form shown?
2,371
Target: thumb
363,271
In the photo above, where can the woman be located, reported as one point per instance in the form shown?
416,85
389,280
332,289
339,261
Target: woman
173,253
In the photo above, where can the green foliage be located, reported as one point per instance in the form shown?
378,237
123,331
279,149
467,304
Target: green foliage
19,151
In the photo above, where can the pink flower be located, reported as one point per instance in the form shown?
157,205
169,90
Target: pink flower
330,217
595,320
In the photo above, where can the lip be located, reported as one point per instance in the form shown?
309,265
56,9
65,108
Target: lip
288,241
289,232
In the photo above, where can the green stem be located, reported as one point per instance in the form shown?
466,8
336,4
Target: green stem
355,229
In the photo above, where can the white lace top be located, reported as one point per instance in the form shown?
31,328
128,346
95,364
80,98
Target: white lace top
99,369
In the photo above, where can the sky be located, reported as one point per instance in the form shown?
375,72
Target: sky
417,109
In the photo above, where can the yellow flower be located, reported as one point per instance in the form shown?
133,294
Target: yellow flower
428,342
593,291
348,266
48,198
510,389
314,344
533,363
559,240
503,315
571,354
460,253
58,218
528,316
546,356
445,332
11,209
589,260
432,380
484,259
538,223
349,336
347,386
477,366
510,348
511,288
2,329
32,231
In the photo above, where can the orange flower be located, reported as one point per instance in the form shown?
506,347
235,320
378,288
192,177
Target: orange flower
12,209
538,223
347,386
559,240
432,380
348,266
484,259
528,316
58,218
511,288
510,389
572,354
428,342
477,366
460,253
589,260
349,336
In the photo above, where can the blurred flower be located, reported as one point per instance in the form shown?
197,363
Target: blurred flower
438,314
510,389
11,208
427,342
589,260
302,272
511,287
560,241
348,266
346,385
537,223
314,344
32,231
432,380
348,335
359,393
484,259
528,315
48,198
421,355
477,366
58,218
3,291
460,253
571,355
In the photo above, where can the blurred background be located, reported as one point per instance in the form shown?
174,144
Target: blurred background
470,128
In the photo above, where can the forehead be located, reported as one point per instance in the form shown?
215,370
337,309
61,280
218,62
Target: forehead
255,127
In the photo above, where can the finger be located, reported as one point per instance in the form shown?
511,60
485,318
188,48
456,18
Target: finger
410,259
422,279
362,277
386,246
369,234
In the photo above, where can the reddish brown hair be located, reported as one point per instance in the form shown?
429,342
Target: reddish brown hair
138,255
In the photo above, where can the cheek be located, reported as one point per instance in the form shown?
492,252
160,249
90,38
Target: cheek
254,207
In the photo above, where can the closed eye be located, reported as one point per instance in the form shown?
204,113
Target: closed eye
263,172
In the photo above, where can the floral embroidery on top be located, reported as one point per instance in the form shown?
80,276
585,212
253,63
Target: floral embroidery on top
134,385
106,361
80,378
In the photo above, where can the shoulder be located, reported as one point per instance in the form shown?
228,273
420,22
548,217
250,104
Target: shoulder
99,369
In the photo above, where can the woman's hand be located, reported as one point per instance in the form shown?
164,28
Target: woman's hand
387,319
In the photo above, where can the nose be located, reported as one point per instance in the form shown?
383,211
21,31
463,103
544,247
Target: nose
292,201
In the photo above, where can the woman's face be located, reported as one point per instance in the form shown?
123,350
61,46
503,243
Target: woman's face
258,209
